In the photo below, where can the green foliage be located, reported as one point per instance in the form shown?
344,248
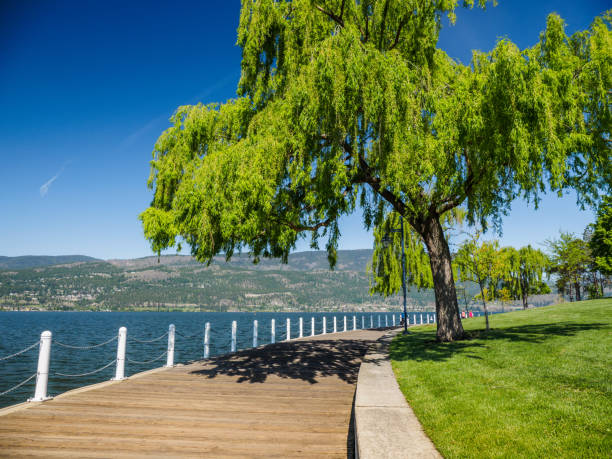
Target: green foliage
570,258
385,267
483,263
344,104
601,239
525,271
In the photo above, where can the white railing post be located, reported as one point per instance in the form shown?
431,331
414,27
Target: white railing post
324,325
206,340
288,329
121,343
233,343
335,325
273,331
345,323
379,321
362,322
354,323
42,373
371,321
170,361
312,326
301,327
421,319
386,320
255,324
393,320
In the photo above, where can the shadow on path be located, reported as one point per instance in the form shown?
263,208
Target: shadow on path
306,360
423,346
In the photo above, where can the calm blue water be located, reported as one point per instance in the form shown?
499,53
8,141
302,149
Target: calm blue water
21,329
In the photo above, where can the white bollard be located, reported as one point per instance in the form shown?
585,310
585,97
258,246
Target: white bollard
233,344
324,325
121,341
362,322
345,323
393,320
386,320
254,333
288,329
371,321
335,325
42,373
273,331
378,321
170,361
312,327
301,327
206,340
421,320
354,323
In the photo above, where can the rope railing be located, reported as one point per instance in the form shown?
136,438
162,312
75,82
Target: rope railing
70,346
86,374
188,336
18,385
20,352
147,341
148,361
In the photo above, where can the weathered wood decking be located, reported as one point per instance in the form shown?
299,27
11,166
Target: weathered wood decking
287,399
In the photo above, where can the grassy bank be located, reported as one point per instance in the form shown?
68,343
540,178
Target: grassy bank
538,385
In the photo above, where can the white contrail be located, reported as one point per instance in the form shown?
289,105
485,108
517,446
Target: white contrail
45,186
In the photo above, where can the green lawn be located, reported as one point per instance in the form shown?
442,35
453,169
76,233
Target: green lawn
539,384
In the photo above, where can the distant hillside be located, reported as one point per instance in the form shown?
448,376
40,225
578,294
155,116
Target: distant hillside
348,260
178,282
35,261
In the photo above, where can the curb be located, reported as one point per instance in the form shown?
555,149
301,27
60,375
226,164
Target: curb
385,425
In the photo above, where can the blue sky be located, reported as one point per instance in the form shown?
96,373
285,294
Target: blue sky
87,87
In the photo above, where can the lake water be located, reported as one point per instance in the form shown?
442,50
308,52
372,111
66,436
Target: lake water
19,330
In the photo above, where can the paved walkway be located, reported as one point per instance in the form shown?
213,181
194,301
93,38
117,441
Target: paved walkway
287,399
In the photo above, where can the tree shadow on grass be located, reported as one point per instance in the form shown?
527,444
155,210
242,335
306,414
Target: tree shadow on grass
422,346
305,360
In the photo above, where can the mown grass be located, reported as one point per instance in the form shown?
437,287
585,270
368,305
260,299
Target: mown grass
539,384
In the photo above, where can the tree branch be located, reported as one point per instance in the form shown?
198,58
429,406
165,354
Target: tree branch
397,34
382,25
337,19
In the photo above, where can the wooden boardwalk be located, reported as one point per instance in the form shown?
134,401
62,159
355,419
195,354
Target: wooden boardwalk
287,399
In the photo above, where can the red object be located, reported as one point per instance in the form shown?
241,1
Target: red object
471,314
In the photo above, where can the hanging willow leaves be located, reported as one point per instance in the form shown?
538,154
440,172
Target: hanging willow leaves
344,104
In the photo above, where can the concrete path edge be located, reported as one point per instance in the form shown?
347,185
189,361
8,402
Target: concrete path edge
385,425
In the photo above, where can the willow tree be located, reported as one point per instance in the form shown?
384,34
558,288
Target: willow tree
344,104
525,272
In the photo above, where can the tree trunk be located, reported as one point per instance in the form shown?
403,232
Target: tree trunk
447,309
578,297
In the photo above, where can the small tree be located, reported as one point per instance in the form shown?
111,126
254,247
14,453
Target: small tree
526,269
570,258
481,262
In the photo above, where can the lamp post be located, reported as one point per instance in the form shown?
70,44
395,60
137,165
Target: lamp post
386,240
